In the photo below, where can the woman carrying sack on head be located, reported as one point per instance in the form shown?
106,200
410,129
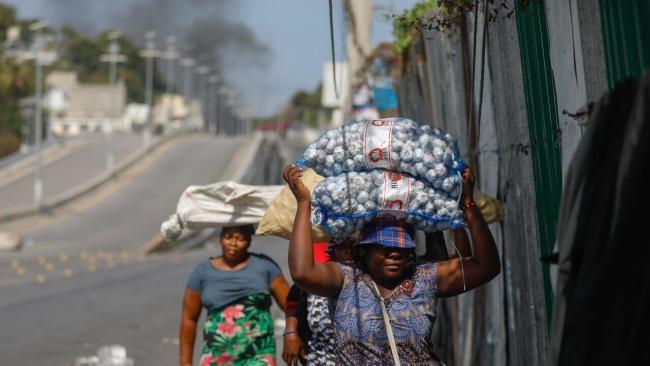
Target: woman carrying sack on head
236,290
383,306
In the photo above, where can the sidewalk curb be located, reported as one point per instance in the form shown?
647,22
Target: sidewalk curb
250,151
90,186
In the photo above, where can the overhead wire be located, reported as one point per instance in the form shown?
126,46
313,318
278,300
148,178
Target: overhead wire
336,90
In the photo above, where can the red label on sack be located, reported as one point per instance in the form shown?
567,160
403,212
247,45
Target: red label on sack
376,143
376,154
396,204
395,196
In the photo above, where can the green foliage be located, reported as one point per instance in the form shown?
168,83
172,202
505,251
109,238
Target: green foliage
16,83
307,99
437,15
7,19
407,25
307,106
82,55
77,53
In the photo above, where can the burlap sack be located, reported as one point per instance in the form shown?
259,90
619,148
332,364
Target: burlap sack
278,219
490,207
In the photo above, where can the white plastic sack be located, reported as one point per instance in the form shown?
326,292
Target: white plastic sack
393,144
345,203
219,204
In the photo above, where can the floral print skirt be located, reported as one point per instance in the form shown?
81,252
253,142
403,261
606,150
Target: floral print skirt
240,333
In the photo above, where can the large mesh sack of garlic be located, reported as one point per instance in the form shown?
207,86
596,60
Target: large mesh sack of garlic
344,203
393,144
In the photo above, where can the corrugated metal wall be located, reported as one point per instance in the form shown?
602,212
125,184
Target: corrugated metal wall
543,64
545,134
626,34
504,322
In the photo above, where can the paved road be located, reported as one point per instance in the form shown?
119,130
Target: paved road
82,282
136,305
69,172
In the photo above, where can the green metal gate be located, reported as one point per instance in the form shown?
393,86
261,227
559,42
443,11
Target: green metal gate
626,35
543,127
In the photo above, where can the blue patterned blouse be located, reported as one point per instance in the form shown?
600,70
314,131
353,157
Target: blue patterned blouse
360,331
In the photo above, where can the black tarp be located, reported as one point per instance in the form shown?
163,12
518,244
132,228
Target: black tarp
602,313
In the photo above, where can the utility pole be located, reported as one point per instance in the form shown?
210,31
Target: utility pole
212,104
231,103
188,63
150,54
170,55
113,58
38,134
222,128
203,71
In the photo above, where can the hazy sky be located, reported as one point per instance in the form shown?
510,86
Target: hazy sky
291,37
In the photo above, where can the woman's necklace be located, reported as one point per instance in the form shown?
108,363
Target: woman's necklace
406,286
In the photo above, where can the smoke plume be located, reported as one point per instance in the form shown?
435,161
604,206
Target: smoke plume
204,28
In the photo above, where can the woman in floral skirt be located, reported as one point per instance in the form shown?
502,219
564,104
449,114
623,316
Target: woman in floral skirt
235,289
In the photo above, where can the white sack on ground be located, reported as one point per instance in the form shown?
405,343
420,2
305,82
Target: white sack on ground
219,204
393,144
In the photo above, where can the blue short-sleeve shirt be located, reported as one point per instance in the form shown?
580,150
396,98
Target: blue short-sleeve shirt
219,288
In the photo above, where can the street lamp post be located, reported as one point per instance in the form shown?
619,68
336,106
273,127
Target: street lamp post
188,63
113,58
203,71
170,55
38,133
149,53
212,104
221,110
231,102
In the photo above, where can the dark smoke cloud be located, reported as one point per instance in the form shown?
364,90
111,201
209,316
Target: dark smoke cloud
204,28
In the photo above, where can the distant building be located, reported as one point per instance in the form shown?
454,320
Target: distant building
170,112
77,108
135,117
329,97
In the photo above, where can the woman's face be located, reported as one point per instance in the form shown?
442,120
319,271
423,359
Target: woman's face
234,244
388,263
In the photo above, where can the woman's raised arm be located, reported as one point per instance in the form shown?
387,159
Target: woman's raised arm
458,275
323,279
